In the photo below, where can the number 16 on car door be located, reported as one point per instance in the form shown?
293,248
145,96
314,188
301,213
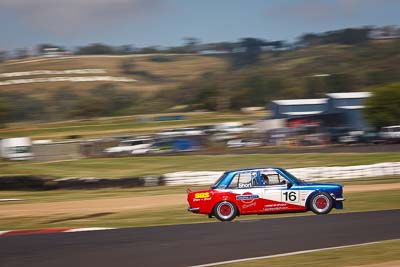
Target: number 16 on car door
290,196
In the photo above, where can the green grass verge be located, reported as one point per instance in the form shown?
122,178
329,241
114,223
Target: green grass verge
157,165
381,252
367,201
67,195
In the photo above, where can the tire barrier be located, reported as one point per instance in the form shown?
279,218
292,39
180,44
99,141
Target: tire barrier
24,183
309,174
47,183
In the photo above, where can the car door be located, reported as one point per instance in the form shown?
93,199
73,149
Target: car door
247,191
277,196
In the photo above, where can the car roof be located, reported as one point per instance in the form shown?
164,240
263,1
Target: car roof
253,169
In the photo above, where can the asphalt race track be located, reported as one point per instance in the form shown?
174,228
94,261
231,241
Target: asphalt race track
184,245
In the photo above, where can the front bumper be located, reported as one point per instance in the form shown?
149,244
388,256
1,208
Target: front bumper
337,198
338,201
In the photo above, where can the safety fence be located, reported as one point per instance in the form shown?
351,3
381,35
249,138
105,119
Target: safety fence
308,174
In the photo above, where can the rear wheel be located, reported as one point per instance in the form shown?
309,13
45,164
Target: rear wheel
321,203
225,211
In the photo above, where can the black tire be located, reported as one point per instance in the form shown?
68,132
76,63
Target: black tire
225,211
321,203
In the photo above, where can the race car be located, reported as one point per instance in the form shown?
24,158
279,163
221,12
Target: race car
263,190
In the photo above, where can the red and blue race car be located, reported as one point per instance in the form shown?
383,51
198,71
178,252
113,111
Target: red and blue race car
263,190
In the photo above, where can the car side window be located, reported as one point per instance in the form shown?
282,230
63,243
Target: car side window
271,177
274,179
244,180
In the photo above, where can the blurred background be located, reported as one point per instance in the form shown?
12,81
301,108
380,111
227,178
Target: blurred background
252,86
126,97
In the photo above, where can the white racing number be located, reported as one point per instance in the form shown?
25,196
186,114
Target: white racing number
290,196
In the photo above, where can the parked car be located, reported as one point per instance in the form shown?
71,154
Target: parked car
352,137
336,133
234,128
18,148
371,137
361,137
280,135
264,190
132,146
313,139
391,133
187,131
217,137
245,142
173,145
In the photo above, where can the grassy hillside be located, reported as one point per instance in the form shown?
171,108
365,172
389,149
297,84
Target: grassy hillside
152,72
360,66
194,81
303,73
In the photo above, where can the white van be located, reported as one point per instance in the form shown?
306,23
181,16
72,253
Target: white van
19,148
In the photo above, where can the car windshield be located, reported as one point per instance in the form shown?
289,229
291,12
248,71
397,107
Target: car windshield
20,149
291,177
219,183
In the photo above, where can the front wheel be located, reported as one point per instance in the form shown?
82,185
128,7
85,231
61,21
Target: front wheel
321,203
225,211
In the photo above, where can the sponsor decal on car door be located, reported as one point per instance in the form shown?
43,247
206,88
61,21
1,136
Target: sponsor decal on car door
248,201
248,193
273,198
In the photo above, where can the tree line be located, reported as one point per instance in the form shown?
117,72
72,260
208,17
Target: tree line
66,103
250,46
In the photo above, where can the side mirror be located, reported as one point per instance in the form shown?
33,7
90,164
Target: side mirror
289,185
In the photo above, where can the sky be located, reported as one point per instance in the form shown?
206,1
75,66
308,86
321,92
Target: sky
72,23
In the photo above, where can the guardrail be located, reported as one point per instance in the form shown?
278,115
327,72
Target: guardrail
309,174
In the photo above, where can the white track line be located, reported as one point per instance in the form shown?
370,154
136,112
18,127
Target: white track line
287,254
87,229
10,199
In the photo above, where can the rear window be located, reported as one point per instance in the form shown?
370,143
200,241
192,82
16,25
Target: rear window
244,180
